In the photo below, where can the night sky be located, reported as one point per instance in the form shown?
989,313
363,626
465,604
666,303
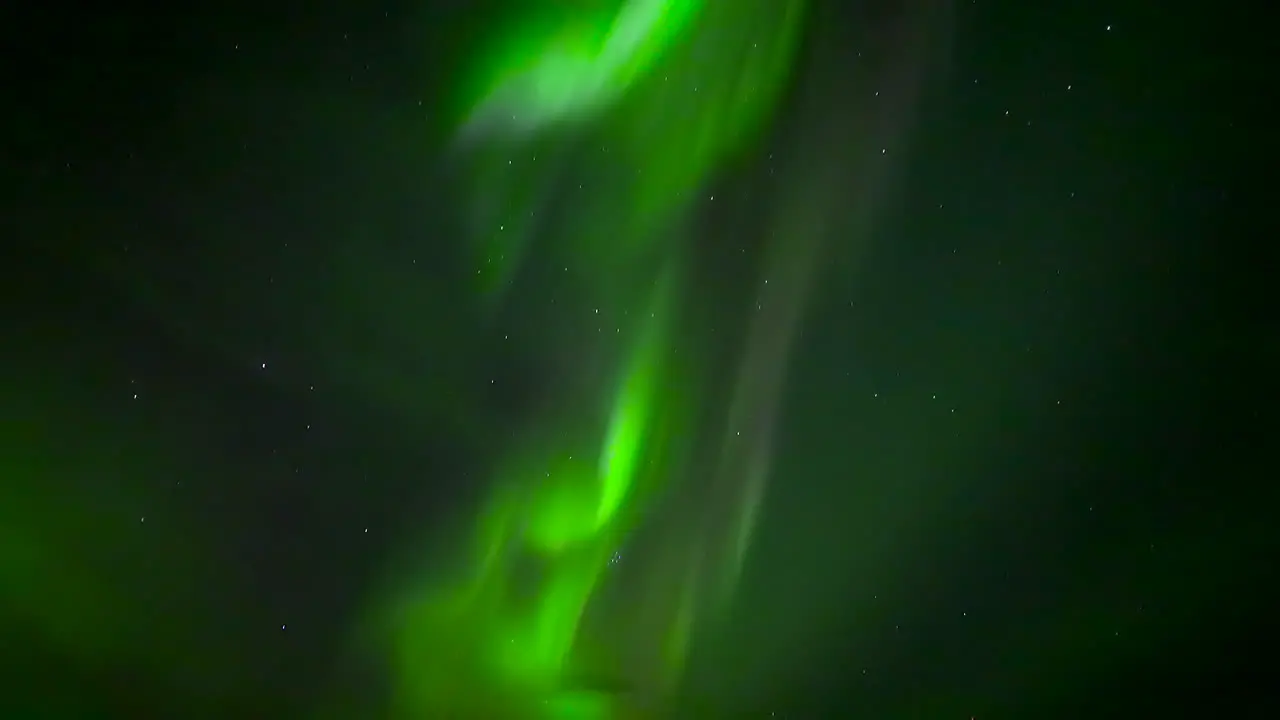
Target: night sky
1019,463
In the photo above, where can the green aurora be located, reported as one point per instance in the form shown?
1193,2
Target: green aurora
671,89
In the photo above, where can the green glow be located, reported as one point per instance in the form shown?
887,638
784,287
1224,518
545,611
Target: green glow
670,89
579,706
633,413
555,74
709,100
544,541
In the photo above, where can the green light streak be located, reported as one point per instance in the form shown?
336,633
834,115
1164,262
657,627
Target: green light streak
673,88
633,413
578,69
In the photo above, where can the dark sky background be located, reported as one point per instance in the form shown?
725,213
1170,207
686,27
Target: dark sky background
1021,469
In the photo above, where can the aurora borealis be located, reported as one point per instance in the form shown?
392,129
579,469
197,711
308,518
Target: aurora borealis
630,358
576,491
